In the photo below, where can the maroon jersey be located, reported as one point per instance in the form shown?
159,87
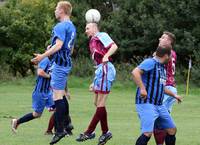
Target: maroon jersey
170,69
99,46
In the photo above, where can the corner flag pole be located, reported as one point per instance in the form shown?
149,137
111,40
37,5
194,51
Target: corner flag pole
188,76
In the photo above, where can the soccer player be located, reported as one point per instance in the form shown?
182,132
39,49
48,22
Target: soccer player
101,48
63,37
150,77
41,97
169,39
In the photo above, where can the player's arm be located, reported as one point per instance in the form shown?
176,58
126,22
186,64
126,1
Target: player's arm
42,73
170,93
137,77
110,52
56,47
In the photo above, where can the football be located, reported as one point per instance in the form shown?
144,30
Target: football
92,16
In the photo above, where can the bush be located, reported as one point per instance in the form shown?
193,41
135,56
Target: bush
83,67
195,75
25,29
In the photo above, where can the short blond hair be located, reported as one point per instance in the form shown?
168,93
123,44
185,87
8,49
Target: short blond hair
66,6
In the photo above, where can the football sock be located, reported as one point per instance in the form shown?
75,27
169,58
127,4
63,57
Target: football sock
66,104
51,123
103,120
142,140
94,121
68,123
170,139
67,120
60,115
25,118
159,136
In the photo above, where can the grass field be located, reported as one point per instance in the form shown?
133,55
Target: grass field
15,101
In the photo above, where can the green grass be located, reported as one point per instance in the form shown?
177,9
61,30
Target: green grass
15,101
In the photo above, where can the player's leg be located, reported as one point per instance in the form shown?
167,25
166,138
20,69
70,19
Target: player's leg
27,117
106,134
67,123
38,104
58,83
69,127
147,116
105,84
51,107
168,124
170,138
89,133
168,101
159,133
59,115
50,125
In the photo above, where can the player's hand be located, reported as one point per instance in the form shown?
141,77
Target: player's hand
52,108
95,103
37,58
178,98
143,93
95,100
91,87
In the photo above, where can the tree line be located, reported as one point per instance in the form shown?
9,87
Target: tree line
135,25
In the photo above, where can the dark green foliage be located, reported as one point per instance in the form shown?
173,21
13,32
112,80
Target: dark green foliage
195,75
24,28
135,25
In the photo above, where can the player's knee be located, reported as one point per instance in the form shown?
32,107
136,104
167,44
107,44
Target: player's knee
148,134
37,115
171,131
101,104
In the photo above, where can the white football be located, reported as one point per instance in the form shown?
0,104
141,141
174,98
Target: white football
92,16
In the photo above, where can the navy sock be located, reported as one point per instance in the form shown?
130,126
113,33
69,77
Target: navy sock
66,121
25,118
60,115
170,139
142,140
66,105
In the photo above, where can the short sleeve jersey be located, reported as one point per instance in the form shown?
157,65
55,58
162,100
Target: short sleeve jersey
66,32
99,46
170,69
43,84
154,79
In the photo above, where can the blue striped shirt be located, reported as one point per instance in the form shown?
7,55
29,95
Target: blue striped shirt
66,32
43,84
154,79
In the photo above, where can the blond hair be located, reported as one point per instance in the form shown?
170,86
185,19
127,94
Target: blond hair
66,6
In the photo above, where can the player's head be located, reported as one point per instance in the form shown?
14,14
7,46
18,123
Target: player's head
164,53
63,8
167,38
91,29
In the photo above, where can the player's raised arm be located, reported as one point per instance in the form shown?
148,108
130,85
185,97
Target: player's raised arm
110,52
